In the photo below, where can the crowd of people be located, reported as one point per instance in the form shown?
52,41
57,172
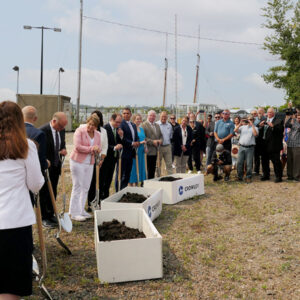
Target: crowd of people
134,151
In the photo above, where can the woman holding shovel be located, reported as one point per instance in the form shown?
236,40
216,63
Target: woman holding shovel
20,171
87,143
138,171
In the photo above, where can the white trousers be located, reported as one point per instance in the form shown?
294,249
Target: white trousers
81,178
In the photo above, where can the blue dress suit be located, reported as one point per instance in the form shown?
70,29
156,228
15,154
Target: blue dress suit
38,136
128,153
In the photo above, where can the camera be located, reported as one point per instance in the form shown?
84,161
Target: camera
245,121
201,111
290,111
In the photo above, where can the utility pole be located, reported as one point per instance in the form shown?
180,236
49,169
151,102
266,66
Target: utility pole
79,63
166,72
176,89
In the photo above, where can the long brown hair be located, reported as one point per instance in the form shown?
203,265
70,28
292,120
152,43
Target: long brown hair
13,142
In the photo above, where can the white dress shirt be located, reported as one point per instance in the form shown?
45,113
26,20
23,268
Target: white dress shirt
104,141
17,177
184,135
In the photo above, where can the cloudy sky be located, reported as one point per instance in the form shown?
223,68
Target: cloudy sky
122,66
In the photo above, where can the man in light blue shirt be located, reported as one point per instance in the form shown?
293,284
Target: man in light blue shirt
224,130
166,149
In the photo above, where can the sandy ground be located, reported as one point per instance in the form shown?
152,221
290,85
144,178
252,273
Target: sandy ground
237,241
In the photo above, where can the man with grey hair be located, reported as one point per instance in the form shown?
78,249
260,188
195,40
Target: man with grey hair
55,147
30,117
154,139
271,132
166,149
258,150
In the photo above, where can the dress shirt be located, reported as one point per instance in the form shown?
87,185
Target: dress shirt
294,134
131,129
167,132
184,135
53,134
247,137
104,141
17,176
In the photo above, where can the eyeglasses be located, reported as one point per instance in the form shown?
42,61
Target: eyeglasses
217,117
172,118
226,113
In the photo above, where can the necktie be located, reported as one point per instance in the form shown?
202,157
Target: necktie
265,129
56,155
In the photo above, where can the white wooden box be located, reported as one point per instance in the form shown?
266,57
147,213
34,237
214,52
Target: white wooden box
175,191
152,205
128,260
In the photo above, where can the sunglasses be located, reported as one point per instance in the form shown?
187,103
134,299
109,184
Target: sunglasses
225,113
217,117
172,118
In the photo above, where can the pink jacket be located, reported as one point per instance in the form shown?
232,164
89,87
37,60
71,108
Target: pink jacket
82,145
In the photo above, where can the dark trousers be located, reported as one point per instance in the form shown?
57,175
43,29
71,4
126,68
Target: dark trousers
151,164
293,162
46,204
105,178
126,166
195,155
275,158
257,158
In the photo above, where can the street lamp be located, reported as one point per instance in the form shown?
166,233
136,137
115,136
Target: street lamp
61,70
42,47
16,68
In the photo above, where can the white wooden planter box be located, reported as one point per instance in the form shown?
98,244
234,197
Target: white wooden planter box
175,191
152,205
128,260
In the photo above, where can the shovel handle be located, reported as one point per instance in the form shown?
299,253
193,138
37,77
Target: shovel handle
52,194
97,176
63,180
137,167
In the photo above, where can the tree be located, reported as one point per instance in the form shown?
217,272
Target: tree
283,18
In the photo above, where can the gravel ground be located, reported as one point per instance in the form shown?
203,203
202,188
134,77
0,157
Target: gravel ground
237,241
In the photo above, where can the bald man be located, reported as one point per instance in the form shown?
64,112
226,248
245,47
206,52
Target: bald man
55,147
30,117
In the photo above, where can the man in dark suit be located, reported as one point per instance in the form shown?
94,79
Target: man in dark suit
114,137
55,146
271,133
130,142
30,117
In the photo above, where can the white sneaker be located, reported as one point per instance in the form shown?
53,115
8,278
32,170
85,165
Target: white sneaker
78,218
189,172
173,166
199,172
86,214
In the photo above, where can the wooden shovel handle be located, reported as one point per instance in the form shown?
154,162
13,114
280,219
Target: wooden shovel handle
97,176
63,180
52,195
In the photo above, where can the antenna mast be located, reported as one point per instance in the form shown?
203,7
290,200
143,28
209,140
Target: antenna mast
166,72
197,68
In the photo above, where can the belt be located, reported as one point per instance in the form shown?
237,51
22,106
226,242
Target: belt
250,146
165,145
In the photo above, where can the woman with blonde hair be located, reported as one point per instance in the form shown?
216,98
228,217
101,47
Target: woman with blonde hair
20,171
87,144
134,179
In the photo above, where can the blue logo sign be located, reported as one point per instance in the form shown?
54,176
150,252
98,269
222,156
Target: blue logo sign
149,211
180,190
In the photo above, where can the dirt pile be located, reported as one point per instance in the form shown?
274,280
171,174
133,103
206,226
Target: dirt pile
114,230
169,178
132,198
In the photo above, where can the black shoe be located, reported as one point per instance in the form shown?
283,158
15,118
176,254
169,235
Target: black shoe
53,220
290,178
226,178
278,179
48,224
239,179
89,209
264,178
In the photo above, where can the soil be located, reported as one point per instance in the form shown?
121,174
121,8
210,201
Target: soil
114,230
169,178
132,198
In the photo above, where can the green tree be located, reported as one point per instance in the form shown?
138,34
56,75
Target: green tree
283,18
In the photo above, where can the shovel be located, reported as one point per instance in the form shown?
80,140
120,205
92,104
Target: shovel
64,217
43,250
158,162
95,204
119,170
146,166
137,167
56,213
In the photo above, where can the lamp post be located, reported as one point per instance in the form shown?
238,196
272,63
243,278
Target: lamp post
16,68
42,47
61,70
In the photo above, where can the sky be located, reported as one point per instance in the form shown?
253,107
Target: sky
124,66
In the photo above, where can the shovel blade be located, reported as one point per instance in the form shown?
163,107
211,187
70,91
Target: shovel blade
66,222
45,292
63,245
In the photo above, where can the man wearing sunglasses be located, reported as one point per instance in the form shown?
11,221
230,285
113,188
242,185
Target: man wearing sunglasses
224,129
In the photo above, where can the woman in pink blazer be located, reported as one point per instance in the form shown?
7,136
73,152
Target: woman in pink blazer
87,142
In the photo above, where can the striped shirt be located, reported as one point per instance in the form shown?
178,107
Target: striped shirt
294,134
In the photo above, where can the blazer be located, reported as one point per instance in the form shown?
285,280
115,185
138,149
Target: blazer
40,137
50,142
128,151
199,136
111,142
152,135
274,136
82,145
177,139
